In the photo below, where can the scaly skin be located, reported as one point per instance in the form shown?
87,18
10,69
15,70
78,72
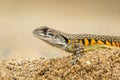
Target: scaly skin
74,43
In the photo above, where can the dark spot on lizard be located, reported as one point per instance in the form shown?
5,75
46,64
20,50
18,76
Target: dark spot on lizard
66,39
45,30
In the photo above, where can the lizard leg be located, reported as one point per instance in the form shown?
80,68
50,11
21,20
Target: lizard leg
78,52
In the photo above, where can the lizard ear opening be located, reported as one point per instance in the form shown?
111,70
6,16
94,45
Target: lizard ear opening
66,39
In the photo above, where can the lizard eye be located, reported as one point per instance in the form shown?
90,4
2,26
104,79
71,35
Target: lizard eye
44,30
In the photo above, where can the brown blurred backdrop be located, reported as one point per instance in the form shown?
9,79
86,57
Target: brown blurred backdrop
18,18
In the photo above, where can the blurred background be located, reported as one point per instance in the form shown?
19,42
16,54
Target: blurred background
18,18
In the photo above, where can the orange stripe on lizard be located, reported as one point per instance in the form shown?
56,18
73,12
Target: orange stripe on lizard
86,42
93,42
108,43
100,42
113,44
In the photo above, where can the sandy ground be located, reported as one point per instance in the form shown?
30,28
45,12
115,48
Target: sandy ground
100,64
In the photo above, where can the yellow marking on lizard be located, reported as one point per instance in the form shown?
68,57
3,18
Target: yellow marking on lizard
93,42
73,42
86,42
113,44
69,41
76,40
81,42
117,44
108,43
100,42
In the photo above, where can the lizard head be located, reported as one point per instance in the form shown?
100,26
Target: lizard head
51,36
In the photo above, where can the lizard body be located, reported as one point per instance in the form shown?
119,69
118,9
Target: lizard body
74,43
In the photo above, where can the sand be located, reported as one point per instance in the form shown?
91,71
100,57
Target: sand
100,64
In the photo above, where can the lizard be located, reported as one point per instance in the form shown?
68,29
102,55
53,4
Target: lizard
75,43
